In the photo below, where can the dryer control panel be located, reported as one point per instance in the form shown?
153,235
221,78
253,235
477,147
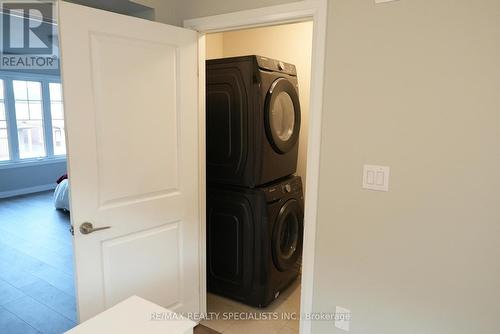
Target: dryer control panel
276,65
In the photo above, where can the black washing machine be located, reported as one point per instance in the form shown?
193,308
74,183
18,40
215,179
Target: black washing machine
252,120
254,240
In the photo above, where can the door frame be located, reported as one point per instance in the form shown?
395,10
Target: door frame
308,10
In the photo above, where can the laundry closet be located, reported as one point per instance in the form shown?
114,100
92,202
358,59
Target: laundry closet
257,101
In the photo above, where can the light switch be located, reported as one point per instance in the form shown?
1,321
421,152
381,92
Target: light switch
342,318
376,177
370,178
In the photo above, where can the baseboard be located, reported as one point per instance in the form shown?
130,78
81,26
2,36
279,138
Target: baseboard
25,191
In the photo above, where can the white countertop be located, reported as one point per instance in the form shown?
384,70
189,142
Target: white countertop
135,315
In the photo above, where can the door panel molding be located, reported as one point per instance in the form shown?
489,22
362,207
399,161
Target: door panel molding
127,258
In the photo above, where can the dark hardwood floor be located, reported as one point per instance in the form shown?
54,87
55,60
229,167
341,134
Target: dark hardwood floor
37,292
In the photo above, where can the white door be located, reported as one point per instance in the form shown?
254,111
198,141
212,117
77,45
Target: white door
130,94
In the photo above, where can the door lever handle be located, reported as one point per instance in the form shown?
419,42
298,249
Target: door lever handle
87,228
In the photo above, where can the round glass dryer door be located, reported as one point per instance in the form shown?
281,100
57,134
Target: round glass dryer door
282,115
287,235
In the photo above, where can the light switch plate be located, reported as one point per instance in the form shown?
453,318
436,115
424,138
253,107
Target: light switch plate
342,318
376,177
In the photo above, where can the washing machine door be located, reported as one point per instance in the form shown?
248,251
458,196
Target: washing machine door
282,115
287,235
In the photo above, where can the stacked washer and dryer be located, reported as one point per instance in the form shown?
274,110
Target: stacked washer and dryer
255,205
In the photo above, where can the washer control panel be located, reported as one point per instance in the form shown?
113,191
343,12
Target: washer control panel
283,189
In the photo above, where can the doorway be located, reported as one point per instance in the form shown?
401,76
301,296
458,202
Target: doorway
290,45
261,17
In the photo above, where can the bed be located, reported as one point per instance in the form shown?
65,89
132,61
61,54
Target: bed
61,195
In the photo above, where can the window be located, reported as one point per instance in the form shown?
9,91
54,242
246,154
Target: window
32,109
29,117
4,140
57,113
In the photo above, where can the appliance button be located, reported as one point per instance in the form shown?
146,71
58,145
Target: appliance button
281,66
287,188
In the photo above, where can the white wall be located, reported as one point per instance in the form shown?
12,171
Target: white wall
413,84
291,43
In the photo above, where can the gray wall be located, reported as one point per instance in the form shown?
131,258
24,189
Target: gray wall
411,84
14,180
136,8
175,11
